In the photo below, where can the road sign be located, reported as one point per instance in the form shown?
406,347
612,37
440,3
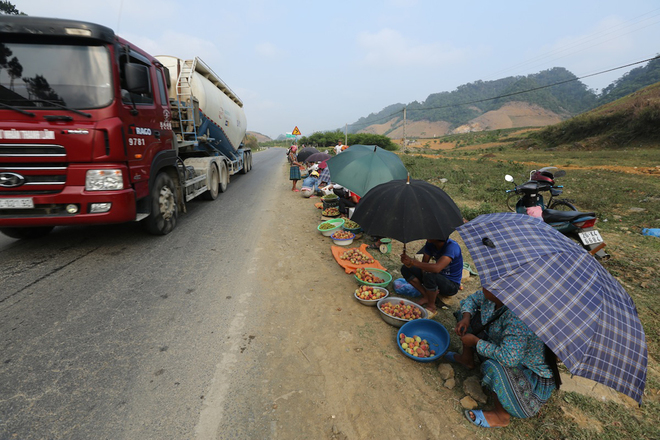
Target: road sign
296,131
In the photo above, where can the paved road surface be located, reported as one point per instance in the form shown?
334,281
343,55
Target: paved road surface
110,333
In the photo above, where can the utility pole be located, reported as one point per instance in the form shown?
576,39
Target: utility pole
404,129
346,134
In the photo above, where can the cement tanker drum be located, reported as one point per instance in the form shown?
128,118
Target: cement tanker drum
212,114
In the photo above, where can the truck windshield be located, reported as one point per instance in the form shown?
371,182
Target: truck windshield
32,75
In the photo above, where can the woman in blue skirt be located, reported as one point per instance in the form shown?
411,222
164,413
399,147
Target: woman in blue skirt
517,367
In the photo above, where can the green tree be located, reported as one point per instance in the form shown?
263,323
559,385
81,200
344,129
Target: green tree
251,142
8,8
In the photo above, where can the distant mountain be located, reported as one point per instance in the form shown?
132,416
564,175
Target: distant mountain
491,105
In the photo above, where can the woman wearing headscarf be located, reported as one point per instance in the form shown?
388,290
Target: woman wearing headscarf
294,171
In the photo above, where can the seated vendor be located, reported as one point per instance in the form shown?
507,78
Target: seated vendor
517,367
347,199
433,279
310,184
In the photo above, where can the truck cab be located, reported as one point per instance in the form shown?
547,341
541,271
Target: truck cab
85,128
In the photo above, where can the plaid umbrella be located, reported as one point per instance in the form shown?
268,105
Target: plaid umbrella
564,295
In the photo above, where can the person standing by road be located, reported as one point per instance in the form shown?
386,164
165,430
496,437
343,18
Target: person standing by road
338,148
294,171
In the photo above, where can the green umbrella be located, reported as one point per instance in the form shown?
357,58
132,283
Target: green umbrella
361,167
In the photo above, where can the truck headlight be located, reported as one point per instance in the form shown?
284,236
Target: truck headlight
103,180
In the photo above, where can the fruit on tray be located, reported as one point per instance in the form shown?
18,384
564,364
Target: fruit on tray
370,293
355,256
366,276
326,226
350,224
402,310
331,212
342,235
416,346
330,197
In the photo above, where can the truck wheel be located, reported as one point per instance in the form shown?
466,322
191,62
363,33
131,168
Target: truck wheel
246,161
213,182
162,219
27,233
250,163
224,178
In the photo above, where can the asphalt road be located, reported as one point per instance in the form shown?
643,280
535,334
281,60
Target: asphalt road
107,332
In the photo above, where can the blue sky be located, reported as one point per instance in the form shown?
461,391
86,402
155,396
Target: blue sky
321,65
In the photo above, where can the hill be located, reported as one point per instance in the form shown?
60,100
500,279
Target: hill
260,137
538,100
633,120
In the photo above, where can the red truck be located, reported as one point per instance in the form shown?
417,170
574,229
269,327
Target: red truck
94,130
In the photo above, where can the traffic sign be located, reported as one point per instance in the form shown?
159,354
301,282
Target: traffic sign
296,131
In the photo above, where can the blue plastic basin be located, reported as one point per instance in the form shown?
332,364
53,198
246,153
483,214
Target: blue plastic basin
435,334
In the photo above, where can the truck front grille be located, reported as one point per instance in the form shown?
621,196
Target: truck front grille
43,168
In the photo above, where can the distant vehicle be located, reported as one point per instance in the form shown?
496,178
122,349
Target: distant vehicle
94,130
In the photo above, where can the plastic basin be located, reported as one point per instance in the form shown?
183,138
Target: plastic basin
435,334
337,222
387,278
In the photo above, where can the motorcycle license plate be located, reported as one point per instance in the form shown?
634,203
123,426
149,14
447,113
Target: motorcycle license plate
16,203
590,237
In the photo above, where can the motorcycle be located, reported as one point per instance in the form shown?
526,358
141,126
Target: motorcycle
558,213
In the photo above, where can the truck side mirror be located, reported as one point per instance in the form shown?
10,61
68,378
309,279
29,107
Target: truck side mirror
137,78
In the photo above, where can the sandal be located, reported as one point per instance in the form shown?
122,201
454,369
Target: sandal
479,418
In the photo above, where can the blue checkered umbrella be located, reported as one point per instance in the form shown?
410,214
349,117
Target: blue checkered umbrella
564,295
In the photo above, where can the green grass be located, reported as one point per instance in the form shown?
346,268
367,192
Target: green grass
477,185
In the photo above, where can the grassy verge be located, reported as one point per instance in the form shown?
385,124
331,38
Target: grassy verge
625,203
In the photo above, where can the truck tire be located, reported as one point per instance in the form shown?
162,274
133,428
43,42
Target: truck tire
27,233
224,178
250,163
162,219
246,162
213,182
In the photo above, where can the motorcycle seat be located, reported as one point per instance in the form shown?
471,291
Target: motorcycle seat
554,215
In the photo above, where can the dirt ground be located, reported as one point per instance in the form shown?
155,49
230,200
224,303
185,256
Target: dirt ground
337,370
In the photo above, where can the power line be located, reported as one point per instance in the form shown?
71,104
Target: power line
584,40
512,93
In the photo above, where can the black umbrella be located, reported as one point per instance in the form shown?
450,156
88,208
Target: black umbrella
407,210
317,157
305,153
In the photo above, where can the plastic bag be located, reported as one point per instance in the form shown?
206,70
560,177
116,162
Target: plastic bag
654,232
403,287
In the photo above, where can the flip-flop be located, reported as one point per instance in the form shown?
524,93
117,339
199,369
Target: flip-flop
479,418
296,190
450,357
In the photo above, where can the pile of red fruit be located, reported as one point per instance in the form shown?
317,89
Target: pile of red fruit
370,293
342,235
368,277
355,256
415,346
402,310
331,212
